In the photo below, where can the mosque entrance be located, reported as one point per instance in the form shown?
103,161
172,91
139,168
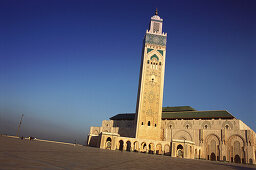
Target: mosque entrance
180,151
121,145
128,146
143,147
213,157
108,143
237,159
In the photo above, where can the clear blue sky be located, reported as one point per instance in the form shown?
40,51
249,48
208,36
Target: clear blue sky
68,65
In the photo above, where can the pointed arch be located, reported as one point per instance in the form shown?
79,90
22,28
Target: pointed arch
154,56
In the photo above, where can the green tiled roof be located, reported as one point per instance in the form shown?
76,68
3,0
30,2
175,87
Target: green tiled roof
214,114
183,112
124,116
178,109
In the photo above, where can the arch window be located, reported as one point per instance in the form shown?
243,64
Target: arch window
155,125
206,126
108,143
141,123
156,27
148,123
226,127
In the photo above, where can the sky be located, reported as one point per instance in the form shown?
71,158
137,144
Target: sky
68,65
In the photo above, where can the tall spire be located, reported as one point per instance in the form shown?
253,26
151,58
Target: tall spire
156,13
156,24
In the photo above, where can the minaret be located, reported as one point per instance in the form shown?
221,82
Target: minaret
151,84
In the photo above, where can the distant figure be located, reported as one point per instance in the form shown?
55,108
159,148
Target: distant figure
30,138
21,137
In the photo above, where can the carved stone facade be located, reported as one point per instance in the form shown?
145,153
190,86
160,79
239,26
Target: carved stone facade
174,131
214,139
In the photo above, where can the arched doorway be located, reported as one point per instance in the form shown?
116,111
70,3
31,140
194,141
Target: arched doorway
166,150
158,149
237,159
144,147
121,145
136,146
213,157
108,143
180,151
128,146
151,148
213,150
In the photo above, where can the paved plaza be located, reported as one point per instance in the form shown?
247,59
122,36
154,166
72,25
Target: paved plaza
25,154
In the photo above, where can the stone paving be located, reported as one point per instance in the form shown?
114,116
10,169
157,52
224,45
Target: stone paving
25,154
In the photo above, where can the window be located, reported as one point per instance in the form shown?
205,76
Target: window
205,126
148,123
155,125
141,123
156,27
187,126
160,63
227,127
148,61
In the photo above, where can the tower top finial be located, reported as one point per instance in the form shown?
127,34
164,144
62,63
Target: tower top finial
156,13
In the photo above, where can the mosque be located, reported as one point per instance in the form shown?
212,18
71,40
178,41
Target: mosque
173,131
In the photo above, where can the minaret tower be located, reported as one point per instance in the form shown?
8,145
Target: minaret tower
151,84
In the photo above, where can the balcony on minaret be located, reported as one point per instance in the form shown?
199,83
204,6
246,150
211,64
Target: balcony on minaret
156,25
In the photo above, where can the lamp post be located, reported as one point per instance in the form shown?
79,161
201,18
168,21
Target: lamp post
20,124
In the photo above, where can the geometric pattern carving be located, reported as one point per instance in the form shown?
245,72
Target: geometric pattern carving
155,39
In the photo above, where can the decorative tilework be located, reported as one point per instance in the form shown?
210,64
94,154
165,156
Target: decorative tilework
154,56
155,39
160,51
156,20
149,49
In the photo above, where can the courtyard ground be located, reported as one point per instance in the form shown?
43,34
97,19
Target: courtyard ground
24,154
